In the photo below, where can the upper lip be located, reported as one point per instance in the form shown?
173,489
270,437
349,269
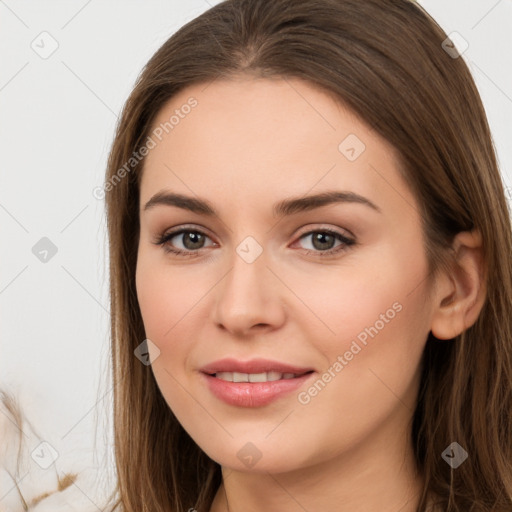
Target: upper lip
252,366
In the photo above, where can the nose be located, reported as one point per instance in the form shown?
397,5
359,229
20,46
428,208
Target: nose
249,299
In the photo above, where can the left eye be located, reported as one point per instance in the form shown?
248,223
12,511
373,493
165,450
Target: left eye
325,240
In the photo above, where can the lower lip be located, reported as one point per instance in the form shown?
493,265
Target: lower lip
253,394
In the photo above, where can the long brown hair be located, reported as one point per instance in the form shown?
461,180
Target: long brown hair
385,59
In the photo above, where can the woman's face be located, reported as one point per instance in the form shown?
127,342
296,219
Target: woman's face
320,304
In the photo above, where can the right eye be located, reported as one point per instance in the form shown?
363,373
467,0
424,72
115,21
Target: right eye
184,242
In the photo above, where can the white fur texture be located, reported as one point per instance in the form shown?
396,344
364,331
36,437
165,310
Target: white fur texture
26,484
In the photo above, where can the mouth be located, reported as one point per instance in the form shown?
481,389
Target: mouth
254,383
271,376
274,370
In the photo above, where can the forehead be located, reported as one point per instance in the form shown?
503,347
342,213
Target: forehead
259,137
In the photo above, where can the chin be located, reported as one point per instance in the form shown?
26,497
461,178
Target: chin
258,456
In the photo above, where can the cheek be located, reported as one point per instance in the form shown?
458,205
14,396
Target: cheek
172,303
166,305
339,303
370,320
371,360
154,303
380,320
166,296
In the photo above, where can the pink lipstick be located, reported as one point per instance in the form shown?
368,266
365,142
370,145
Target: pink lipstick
253,383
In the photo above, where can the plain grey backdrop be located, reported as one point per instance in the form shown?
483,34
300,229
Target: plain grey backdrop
66,69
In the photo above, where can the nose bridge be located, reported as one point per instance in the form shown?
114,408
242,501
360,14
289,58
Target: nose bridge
248,295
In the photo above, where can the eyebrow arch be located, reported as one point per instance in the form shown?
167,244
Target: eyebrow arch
282,208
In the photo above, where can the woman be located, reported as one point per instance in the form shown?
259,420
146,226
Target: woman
310,268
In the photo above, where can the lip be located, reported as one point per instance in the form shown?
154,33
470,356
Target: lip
253,394
252,366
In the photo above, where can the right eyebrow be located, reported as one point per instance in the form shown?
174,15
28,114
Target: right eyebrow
192,204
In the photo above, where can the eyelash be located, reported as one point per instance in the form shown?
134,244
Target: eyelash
344,246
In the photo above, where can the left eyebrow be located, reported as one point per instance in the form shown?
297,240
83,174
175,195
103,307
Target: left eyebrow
295,205
285,207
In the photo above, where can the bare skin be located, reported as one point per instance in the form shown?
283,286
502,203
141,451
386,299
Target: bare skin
247,145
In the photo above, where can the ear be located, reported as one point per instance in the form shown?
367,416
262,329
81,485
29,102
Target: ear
460,292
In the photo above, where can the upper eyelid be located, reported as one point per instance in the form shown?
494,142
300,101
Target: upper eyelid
185,227
344,231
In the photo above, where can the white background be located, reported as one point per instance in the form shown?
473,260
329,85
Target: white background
56,126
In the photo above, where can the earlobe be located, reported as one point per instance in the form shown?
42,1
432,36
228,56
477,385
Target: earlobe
461,292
